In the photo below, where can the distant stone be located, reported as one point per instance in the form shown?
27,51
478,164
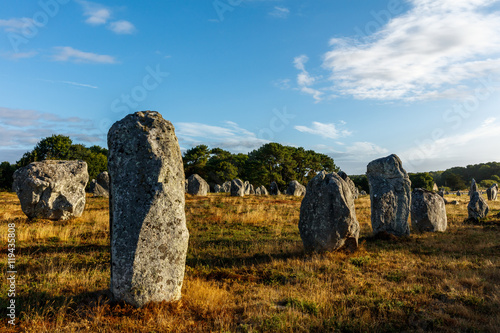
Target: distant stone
458,193
249,189
197,185
261,190
352,186
218,188
149,237
327,215
390,195
428,211
226,186
237,188
274,189
101,186
441,193
453,202
477,207
492,192
50,189
363,193
296,189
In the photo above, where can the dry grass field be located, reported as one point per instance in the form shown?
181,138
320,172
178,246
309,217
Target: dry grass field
246,272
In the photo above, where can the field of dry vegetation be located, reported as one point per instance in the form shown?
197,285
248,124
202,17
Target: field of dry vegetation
246,272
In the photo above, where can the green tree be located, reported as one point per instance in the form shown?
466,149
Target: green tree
421,180
6,172
195,161
361,182
220,167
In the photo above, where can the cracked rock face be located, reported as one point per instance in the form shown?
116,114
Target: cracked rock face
52,189
327,215
149,237
390,195
428,211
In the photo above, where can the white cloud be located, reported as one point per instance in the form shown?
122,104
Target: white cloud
280,12
304,79
433,51
96,14
122,27
363,150
327,131
84,85
230,136
67,53
16,25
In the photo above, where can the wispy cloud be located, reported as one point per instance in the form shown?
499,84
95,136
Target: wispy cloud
17,25
433,51
67,53
327,131
19,55
96,14
304,79
122,27
229,136
280,12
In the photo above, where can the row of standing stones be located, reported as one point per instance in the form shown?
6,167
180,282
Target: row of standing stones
146,188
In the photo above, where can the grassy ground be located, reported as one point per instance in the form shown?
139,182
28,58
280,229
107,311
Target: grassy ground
246,272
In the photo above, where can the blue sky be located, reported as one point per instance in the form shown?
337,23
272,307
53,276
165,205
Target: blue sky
355,79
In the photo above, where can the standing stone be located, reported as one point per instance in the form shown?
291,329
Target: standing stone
363,192
477,207
249,189
237,188
274,189
352,186
101,186
261,190
218,188
149,237
50,189
296,189
226,187
473,187
458,193
390,196
197,185
428,211
492,192
441,193
327,215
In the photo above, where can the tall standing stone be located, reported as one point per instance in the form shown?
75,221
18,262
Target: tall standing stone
477,207
149,237
473,187
390,195
492,192
50,189
327,215
237,188
428,211
197,185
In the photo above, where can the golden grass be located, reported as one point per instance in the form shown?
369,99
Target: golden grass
246,272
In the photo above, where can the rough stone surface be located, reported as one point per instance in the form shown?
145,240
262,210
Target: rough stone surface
274,189
477,207
249,189
51,189
261,190
390,195
218,188
473,187
492,192
441,193
101,186
149,237
327,215
296,189
226,187
428,211
237,188
197,185
352,186
363,193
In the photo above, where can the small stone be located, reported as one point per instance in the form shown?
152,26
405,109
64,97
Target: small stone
296,189
261,190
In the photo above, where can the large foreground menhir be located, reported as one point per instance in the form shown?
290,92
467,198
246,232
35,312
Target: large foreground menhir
149,237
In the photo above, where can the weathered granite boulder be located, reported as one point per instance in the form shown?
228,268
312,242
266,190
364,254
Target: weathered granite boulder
237,188
390,195
492,192
428,211
352,186
274,189
296,189
100,188
327,215
52,189
477,207
197,185
149,237
249,189
226,187
261,190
